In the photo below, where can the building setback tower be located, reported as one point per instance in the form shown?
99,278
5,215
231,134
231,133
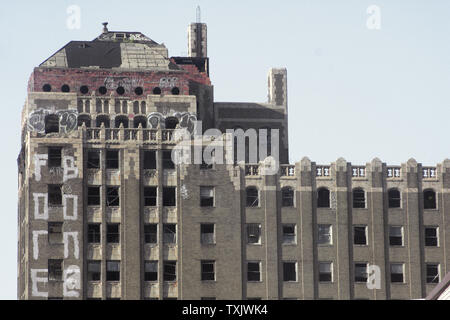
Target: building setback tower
105,213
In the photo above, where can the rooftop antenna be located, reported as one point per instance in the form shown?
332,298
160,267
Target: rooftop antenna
105,27
199,15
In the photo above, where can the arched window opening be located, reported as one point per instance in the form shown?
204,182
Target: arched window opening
140,120
102,119
394,198
121,120
429,199
84,119
323,198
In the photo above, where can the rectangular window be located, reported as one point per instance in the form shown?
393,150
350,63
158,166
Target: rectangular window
254,271
151,233
54,195
397,272
324,234
325,272
54,157
207,233
112,197
360,235
208,270
112,270
149,160
170,233
55,234
93,196
112,159
94,271
151,271
93,233
150,196
169,196
113,233
170,271
207,196
433,273
55,270
395,236
93,159
360,272
167,160
289,234
253,233
431,237
289,271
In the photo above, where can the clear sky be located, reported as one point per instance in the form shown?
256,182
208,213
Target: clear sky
354,92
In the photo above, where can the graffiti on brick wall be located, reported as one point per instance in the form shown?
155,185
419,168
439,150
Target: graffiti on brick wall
185,120
36,120
68,120
168,82
112,83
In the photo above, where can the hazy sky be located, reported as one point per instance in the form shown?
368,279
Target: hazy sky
354,92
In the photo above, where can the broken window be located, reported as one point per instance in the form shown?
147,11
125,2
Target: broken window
150,196
289,234
325,272
52,124
206,196
54,157
254,271
395,236
94,233
94,271
55,270
170,271
208,270
394,198
360,272
102,120
433,273
170,233
93,196
397,272
431,236
252,196
112,159
289,271
151,233
429,199
167,160
93,159
207,233
112,270
55,235
113,233
359,198
324,234
112,197
253,233
169,196
287,197
360,235
54,195
151,271
323,198
149,160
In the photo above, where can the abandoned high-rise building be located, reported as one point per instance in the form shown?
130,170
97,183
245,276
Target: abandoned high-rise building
105,213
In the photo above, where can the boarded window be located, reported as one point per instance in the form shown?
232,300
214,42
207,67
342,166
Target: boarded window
323,198
170,233
206,196
253,233
113,233
112,270
253,271
151,233
208,270
54,157
207,233
112,197
151,271
150,196
170,270
55,233
93,196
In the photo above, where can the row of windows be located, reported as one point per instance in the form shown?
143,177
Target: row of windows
150,233
103,90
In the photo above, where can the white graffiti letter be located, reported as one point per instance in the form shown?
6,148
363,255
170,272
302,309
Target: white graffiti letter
39,161
374,21
36,235
74,19
74,215
70,171
71,281
35,280
37,214
374,277
76,248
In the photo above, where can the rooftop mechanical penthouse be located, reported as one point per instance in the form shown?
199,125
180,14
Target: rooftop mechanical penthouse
104,213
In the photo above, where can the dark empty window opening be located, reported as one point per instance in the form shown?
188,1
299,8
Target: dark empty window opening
325,272
208,273
395,236
140,121
139,91
397,272
151,271
112,270
431,236
253,233
93,160
84,119
150,196
360,235
323,198
149,160
157,90
54,195
169,196
253,271
394,198
54,157
167,160
93,233
170,270
47,88
112,197
102,90
359,198
171,122
93,196
207,233
289,236
360,272
52,124
206,196
432,273
102,120
175,91
94,271
55,270
289,271
151,233
65,88
113,233
112,159
121,120
120,90
287,197
55,233
252,197
170,233
84,89
429,199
